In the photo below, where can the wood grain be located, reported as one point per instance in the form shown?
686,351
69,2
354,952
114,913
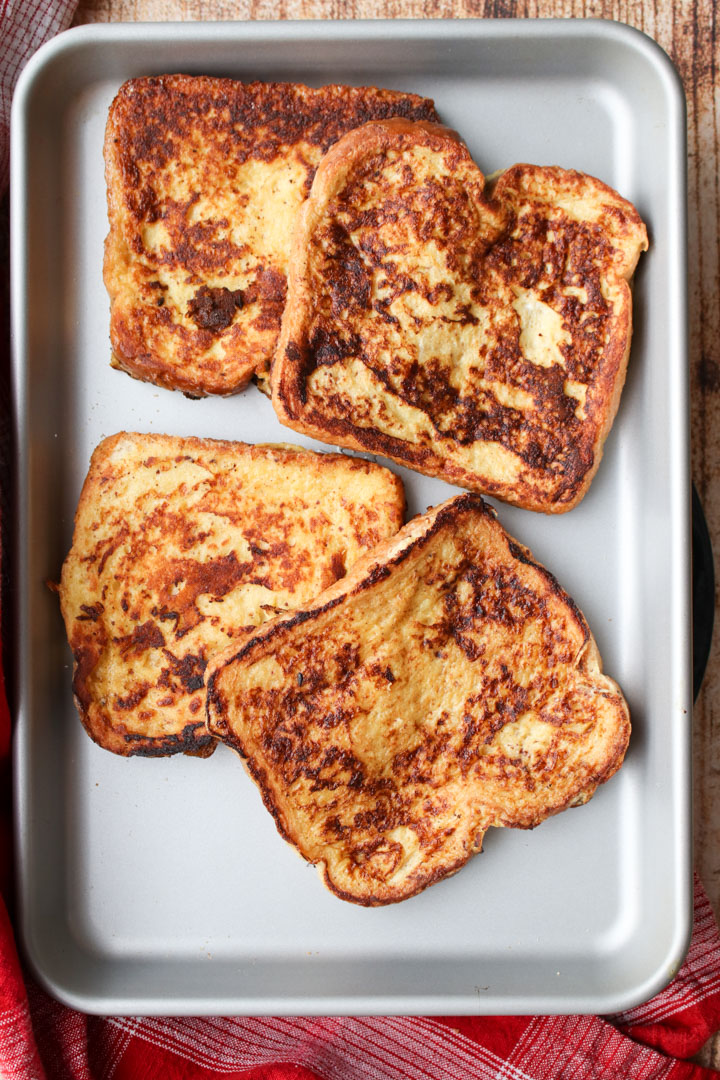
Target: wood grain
688,32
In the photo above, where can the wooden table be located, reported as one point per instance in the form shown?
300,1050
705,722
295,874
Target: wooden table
688,32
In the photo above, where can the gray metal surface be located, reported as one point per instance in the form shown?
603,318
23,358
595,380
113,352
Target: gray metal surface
153,886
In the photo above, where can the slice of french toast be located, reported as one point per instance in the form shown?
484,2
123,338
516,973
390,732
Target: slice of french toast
204,177
180,545
477,332
446,685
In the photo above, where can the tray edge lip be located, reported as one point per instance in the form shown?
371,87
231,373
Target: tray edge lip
90,35
436,1004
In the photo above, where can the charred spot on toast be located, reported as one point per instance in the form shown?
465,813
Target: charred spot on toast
214,309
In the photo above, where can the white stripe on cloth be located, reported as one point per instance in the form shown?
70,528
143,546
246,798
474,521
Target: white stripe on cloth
569,1047
338,1048
114,1053
24,26
19,1061
65,1037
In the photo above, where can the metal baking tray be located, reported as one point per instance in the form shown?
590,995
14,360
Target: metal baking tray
161,886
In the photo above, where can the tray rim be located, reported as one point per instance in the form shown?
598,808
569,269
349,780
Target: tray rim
90,35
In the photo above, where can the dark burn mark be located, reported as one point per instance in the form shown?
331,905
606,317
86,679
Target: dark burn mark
159,297
347,658
113,545
164,615
328,347
337,564
147,635
145,204
269,285
498,597
501,702
381,307
292,352
443,291
200,249
335,768
86,656
186,673
187,741
90,612
416,764
464,315
378,671
132,699
334,828
348,276
381,855
182,581
214,309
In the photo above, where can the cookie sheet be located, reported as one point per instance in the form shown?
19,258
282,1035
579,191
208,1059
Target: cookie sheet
161,886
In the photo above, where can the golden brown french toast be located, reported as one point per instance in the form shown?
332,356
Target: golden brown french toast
476,332
204,177
182,544
447,684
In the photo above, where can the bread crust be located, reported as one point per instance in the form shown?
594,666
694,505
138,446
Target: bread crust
479,332
447,685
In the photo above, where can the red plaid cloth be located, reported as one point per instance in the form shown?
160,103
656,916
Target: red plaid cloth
40,1038
24,26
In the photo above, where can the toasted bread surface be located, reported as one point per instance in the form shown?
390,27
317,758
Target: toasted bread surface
182,544
477,332
447,684
204,178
